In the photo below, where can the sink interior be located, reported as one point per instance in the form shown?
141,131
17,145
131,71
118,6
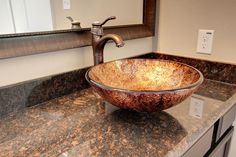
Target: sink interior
145,75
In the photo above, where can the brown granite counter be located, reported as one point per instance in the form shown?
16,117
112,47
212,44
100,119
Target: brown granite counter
82,124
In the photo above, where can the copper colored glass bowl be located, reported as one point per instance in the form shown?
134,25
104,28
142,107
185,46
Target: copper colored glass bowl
145,85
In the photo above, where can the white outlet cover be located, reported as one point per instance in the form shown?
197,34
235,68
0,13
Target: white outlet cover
205,41
66,4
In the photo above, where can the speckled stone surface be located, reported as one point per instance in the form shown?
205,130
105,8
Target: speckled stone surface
222,92
82,124
19,96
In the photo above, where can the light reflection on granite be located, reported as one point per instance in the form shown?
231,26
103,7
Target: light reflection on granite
81,124
222,92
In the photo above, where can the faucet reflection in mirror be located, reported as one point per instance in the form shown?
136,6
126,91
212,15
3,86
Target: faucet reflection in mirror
74,24
99,40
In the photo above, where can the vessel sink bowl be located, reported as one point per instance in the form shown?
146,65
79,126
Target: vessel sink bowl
144,85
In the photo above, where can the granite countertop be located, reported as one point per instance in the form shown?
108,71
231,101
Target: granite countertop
82,124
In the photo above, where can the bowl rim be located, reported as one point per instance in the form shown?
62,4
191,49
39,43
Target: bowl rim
103,86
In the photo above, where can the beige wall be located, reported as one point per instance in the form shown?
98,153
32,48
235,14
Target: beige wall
181,19
35,66
88,11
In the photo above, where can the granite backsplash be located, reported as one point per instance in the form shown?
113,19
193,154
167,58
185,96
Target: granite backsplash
19,96
16,97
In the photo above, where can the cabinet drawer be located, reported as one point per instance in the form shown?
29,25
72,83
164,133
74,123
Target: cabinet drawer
201,146
222,147
226,121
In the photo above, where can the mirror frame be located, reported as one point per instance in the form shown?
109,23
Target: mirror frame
22,44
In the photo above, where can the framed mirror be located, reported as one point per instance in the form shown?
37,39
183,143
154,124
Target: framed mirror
22,16
57,33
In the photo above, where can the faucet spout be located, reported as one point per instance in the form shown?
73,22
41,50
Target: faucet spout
99,40
99,44
116,38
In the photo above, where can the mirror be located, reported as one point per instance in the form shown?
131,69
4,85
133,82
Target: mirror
22,44
21,16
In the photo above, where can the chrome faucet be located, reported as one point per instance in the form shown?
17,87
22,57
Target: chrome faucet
99,40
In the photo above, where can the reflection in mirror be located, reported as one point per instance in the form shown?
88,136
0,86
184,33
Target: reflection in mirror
20,16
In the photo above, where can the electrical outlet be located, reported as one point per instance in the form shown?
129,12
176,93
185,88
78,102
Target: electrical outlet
66,4
205,41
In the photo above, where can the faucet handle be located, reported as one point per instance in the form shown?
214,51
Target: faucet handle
108,19
97,23
70,18
97,26
74,24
